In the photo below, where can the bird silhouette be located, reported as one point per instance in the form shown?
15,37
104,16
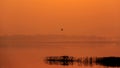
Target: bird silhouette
61,29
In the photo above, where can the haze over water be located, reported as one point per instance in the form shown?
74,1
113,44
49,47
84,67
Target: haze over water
31,30
30,51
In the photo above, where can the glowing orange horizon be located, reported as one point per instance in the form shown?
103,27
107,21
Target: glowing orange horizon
77,17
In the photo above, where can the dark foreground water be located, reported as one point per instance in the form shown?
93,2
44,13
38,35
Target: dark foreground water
32,53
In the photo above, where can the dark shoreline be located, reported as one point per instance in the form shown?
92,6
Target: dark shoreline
87,61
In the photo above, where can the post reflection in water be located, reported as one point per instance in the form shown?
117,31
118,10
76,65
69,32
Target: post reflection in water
86,61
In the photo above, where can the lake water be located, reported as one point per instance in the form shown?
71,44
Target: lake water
30,53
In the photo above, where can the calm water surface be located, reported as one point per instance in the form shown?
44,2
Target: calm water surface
31,53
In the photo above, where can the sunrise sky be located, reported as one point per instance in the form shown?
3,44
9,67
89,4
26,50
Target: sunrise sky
77,17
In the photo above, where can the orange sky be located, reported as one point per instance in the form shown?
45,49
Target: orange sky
77,17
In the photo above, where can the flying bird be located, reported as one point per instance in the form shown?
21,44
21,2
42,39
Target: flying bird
61,29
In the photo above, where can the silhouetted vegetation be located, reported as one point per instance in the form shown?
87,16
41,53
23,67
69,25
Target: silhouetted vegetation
62,60
87,61
109,61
